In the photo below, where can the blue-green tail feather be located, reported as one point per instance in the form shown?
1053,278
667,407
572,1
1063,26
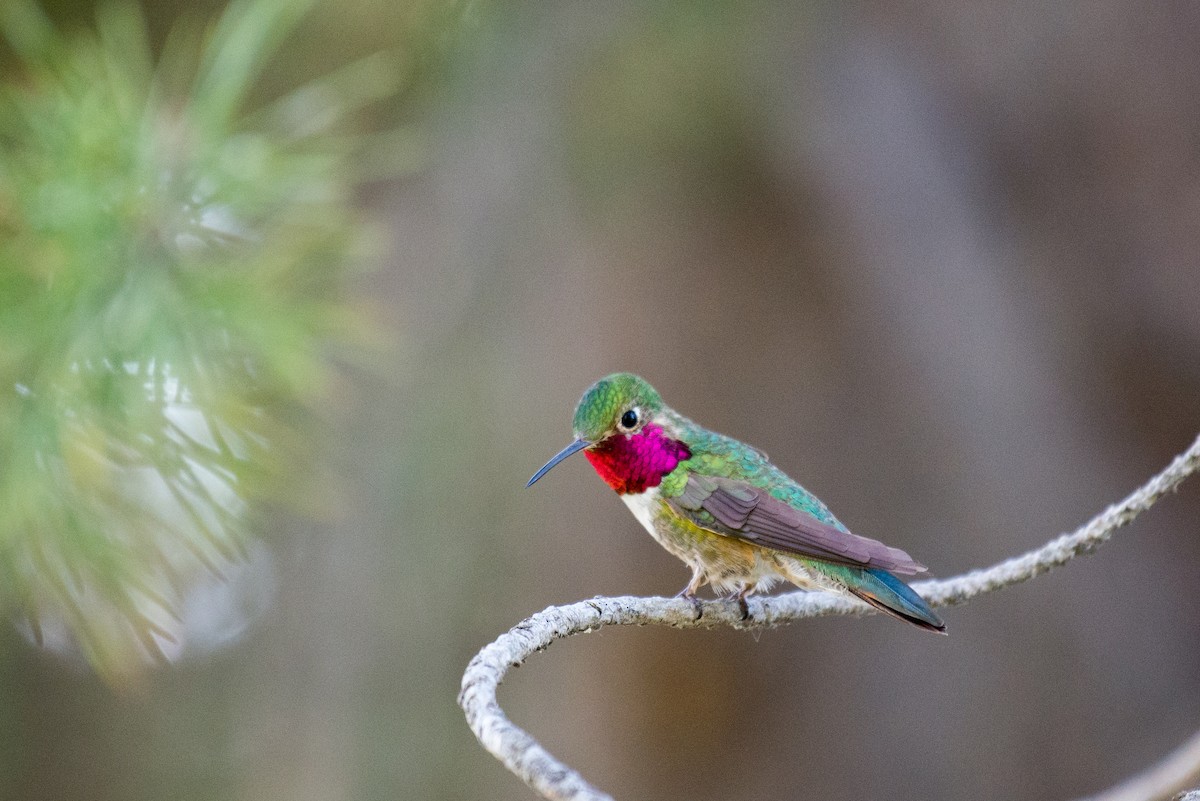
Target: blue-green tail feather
889,594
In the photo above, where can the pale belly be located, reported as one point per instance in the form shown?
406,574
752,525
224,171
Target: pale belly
727,563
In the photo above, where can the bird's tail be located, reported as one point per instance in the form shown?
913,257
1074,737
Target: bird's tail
889,594
877,587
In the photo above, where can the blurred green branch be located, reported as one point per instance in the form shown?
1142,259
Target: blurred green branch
171,274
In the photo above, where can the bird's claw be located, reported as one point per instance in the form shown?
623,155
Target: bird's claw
740,597
688,594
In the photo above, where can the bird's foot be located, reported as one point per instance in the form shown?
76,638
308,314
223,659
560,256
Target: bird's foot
740,597
688,593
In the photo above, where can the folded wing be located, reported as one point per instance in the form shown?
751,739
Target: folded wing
737,509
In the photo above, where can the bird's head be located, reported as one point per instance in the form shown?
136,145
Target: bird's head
619,422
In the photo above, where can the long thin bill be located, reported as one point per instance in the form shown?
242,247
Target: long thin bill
575,446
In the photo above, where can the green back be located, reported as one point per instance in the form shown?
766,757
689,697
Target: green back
714,454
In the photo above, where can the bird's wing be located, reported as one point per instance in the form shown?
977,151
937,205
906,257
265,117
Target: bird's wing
738,509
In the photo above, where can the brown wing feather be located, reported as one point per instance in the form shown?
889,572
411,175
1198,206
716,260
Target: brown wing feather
740,510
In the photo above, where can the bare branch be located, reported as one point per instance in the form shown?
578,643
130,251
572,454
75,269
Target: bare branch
1178,771
526,758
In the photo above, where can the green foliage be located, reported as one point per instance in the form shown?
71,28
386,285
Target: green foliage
169,290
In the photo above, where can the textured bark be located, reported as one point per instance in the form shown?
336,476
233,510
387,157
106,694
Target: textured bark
525,757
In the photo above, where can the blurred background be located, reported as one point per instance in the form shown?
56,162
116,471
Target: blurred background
939,260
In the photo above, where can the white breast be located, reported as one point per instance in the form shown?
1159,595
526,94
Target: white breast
644,506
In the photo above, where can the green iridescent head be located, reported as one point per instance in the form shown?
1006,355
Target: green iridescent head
609,400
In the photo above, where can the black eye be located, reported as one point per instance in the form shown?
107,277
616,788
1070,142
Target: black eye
629,420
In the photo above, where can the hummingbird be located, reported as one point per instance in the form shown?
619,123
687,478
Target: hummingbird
738,521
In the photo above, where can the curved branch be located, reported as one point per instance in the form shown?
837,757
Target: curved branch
525,757
1176,772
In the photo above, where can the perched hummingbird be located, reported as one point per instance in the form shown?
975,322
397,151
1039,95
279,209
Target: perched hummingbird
737,520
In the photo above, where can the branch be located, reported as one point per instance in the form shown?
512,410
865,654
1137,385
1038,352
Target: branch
1177,771
525,757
